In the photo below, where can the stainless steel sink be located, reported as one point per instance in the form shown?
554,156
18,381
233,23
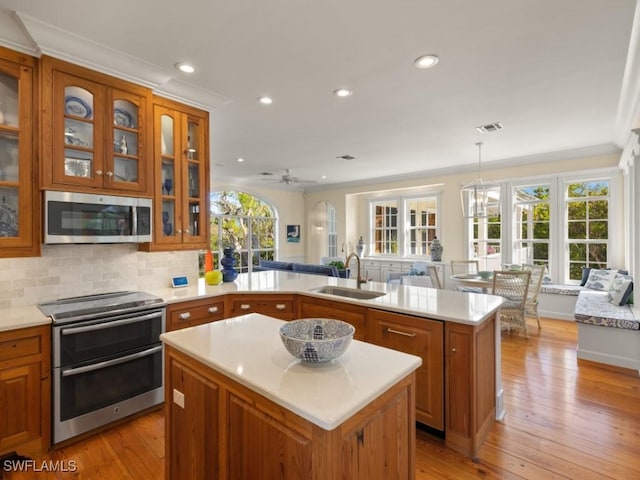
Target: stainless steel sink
349,292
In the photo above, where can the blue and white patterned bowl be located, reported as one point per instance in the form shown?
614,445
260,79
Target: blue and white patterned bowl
316,340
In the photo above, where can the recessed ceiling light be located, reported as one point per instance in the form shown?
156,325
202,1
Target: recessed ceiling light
343,92
239,159
185,67
426,61
324,177
265,100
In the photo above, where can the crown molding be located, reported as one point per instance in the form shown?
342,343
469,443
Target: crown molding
570,154
55,42
628,115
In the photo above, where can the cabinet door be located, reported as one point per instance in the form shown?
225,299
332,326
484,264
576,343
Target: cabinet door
263,446
127,168
470,378
194,156
424,338
319,308
20,396
93,131
181,180
19,205
193,428
78,128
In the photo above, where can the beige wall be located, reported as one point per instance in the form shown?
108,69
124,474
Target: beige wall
351,202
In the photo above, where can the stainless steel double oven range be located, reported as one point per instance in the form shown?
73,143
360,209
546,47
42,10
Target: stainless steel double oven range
107,359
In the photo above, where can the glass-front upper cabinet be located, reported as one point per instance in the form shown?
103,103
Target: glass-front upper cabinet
94,130
19,210
180,150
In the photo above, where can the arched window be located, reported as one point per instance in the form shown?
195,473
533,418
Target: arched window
246,223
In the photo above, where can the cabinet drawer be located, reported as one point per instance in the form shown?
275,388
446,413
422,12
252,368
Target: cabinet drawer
19,347
279,308
198,312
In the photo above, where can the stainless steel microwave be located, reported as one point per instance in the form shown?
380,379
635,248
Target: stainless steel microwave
88,218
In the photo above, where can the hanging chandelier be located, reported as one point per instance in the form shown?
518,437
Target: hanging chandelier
479,200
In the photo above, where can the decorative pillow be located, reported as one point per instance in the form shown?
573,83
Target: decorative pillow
600,279
585,275
620,289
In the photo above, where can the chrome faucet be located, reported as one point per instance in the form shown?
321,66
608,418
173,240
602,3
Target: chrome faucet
360,280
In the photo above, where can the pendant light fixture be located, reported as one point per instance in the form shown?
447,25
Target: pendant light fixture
479,200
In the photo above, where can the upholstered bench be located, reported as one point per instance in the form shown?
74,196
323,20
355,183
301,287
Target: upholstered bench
607,333
557,300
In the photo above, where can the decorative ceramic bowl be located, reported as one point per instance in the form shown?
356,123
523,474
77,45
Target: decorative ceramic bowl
485,273
316,340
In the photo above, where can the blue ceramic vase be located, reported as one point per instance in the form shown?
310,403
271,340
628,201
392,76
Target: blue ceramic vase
229,274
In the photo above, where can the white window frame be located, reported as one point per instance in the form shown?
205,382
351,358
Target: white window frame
403,223
332,232
558,268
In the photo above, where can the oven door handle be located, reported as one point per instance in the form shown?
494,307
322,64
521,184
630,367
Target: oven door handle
114,323
108,363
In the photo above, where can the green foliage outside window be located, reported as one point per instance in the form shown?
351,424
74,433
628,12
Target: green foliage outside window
245,223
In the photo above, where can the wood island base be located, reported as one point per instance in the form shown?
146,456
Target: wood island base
218,428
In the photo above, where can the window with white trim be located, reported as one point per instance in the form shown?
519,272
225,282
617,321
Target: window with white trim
562,222
404,226
532,223
587,225
332,234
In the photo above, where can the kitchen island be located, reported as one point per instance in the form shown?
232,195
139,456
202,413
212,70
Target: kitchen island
240,406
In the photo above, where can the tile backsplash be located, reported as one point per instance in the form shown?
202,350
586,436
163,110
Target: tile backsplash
72,270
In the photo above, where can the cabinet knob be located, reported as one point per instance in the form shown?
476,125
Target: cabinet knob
454,349
245,306
185,316
109,174
98,172
281,306
213,309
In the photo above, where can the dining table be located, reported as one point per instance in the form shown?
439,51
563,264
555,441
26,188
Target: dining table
473,280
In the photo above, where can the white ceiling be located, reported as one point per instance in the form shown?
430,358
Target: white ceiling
550,71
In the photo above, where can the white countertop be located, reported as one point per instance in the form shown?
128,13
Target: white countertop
248,350
22,317
458,307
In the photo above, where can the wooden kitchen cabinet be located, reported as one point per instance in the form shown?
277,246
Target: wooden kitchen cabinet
217,428
181,180
310,307
19,195
423,338
195,312
25,390
282,306
192,423
470,381
96,132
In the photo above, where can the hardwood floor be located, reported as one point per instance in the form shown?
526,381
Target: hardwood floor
564,420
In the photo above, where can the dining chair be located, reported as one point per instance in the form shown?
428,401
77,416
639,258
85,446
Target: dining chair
433,275
513,286
535,283
465,266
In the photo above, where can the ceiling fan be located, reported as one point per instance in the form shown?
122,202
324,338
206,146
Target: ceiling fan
289,179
